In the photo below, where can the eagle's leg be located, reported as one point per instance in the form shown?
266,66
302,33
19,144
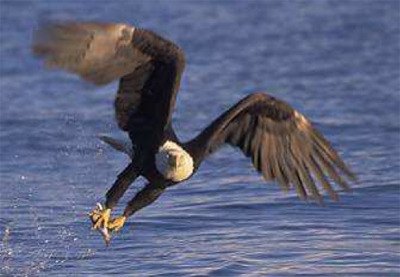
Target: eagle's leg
143,198
124,179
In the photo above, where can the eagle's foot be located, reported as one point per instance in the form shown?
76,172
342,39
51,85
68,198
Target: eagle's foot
100,217
117,223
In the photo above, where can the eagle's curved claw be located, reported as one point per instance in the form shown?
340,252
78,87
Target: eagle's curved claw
100,217
117,223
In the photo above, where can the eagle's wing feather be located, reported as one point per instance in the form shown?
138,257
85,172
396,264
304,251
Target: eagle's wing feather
282,143
149,67
98,52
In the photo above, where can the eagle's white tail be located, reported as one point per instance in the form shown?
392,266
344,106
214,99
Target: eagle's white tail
117,144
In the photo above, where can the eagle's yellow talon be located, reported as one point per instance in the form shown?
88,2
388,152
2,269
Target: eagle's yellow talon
117,223
100,218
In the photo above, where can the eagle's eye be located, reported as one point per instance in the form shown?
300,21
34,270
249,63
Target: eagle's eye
173,160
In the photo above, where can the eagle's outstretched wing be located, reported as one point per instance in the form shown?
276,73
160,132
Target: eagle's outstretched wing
149,66
282,143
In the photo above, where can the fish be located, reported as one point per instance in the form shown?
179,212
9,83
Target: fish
102,230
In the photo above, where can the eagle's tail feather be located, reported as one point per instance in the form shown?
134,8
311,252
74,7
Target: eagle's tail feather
117,144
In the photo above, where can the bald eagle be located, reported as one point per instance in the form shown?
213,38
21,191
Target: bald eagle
282,143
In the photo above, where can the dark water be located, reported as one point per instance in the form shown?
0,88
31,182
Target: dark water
335,61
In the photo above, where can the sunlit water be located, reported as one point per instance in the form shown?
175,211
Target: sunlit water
335,61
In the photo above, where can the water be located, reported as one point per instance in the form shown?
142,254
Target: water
335,61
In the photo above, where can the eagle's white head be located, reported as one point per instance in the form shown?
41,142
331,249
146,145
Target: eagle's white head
173,162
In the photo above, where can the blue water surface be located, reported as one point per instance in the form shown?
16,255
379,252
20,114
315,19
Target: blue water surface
335,61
